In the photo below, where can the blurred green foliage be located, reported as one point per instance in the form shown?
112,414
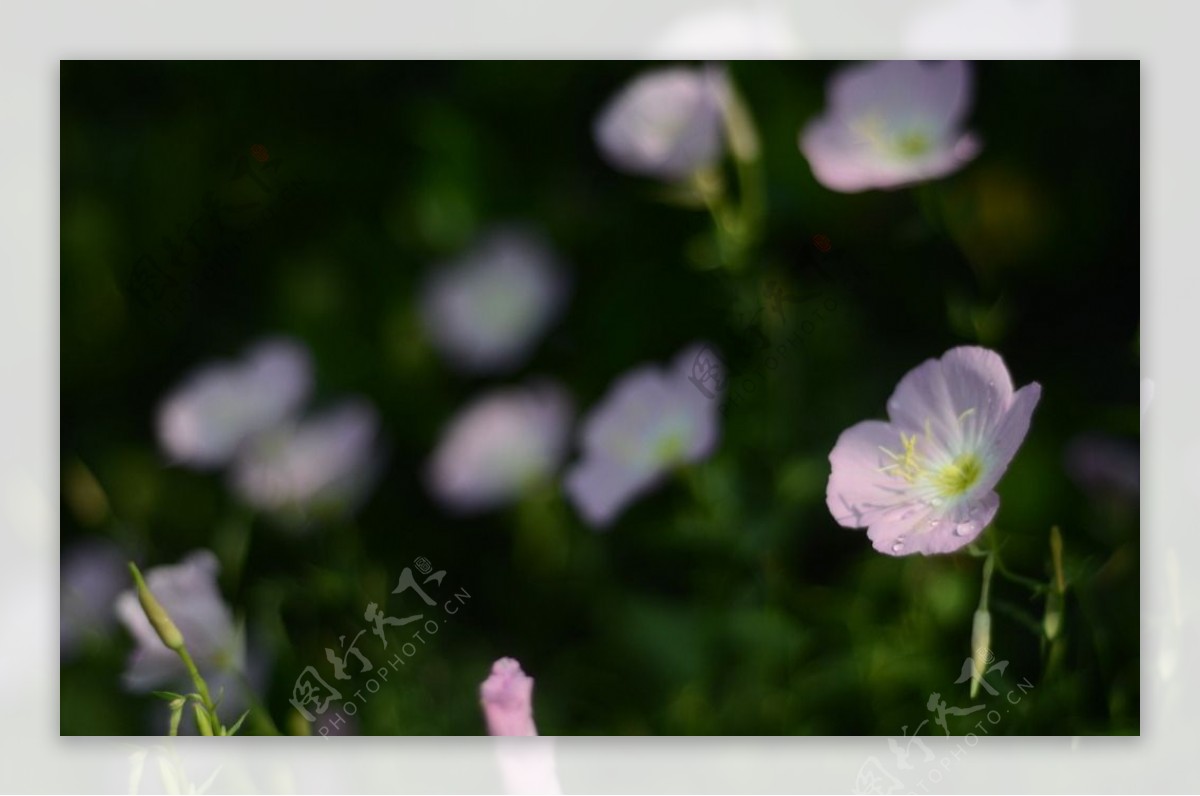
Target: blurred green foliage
727,601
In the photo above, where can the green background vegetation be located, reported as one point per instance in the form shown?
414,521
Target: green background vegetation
728,601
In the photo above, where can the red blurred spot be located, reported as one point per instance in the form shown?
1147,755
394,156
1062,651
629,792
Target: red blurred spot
259,153
822,242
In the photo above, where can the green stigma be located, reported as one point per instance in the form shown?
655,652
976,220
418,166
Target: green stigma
670,448
959,476
911,145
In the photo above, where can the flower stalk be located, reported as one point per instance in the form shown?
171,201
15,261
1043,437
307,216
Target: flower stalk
981,629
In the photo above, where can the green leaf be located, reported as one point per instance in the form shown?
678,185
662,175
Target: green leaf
237,725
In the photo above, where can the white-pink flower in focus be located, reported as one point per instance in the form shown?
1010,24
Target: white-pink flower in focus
891,123
924,481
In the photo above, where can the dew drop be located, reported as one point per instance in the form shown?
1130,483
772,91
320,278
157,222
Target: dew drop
963,528
897,547
934,523
935,502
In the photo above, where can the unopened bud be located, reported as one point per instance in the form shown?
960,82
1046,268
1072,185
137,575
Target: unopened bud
159,619
1052,621
176,714
202,722
981,640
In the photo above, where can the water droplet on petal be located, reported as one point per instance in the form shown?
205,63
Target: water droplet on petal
935,502
897,547
963,528
934,523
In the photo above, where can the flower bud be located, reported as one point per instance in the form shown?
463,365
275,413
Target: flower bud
159,619
981,639
1052,621
176,714
202,721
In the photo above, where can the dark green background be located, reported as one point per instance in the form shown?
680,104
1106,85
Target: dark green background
727,602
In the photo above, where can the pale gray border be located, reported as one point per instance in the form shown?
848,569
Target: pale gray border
34,36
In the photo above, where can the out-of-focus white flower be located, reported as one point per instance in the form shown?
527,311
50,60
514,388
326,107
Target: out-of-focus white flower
667,123
651,420
203,421
189,594
323,464
485,311
499,446
93,574
890,124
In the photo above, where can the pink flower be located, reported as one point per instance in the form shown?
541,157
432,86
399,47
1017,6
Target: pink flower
652,420
189,593
486,310
498,447
507,699
924,481
204,421
890,124
324,464
666,123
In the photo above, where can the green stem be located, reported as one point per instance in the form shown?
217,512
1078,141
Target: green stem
197,680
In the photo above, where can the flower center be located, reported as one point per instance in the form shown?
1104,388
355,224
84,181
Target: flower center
670,447
948,479
913,144
957,477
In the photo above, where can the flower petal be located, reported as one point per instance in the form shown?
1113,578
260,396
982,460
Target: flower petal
601,488
940,391
859,492
903,91
665,123
901,532
507,699
1010,433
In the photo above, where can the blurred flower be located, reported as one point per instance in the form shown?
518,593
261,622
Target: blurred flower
1104,465
507,699
93,574
323,464
528,765
651,420
485,311
203,421
189,594
890,124
923,482
667,123
500,445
